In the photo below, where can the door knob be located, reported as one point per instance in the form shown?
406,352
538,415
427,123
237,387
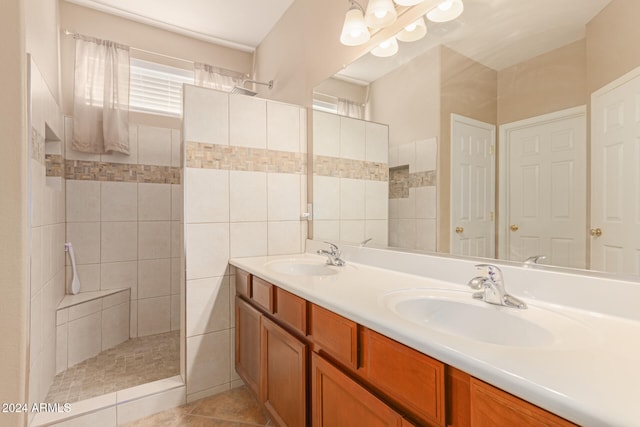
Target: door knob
459,230
595,232
514,227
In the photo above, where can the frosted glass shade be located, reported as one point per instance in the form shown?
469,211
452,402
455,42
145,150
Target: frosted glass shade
380,13
413,32
354,30
448,10
386,48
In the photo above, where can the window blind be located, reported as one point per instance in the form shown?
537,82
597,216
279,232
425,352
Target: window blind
157,88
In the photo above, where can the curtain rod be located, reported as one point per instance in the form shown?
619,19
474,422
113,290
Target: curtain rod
71,33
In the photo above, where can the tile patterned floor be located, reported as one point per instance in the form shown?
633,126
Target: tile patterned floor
234,408
134,362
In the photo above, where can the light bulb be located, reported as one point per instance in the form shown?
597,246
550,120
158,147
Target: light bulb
445,5
380,13
411,27
412,32
447,10
385,44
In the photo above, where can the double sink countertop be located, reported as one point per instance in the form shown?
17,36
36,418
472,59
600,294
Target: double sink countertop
579,364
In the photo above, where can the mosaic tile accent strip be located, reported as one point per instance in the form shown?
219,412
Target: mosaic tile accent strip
37,146
400,181
349,168
216,156
83,170
54,164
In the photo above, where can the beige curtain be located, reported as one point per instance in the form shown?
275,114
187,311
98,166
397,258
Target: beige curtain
217,78
350,109
101,97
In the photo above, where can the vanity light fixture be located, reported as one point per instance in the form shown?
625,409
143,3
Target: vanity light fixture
448,10
354,29
380,13
385,49
414,31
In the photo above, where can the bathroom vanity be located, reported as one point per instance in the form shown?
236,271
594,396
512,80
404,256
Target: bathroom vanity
325,346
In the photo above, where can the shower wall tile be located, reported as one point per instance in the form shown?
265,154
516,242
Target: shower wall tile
208,308
247,121
283,127
119,201
284,237
352,231
154,239
326,134
207,246
119,241
116,275
248,239
208,196
326,230
175,276
175,312
115,325
88,274
176,148
154,278
283,197
208,361
326,195
84,339
352,138
248,196
85,238
154,315
377,142
154,202
376,200
376,229
83,201
352,201
176,238
176,202
206,115
154,146
426,155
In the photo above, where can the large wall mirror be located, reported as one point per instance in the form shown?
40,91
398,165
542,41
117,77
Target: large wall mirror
510,132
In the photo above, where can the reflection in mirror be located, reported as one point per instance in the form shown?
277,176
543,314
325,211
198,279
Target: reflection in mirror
510,134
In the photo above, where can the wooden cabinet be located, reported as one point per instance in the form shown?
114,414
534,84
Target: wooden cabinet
492,407
283,388
248,344
334,336
310,366
411,380
337,400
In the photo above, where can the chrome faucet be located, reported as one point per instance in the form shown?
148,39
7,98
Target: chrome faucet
491,286
333,255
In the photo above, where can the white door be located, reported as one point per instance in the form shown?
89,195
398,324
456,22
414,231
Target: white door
547,188
615,176
472,187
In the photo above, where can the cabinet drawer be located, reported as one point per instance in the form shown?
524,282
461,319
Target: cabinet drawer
291,310
335,336
407,377
262,293
243,283
493,407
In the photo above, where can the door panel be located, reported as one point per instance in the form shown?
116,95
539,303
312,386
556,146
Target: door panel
472,187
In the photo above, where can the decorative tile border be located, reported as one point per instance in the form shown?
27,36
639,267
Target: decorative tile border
400,181
54,165
350,168
83,170
37,146
215,156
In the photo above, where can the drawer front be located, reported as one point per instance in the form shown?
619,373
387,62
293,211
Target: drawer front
411,379
262,293
243,283
291,310
335,336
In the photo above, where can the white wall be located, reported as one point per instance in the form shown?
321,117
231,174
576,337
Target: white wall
245,189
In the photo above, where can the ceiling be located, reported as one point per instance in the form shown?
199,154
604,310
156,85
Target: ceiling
241,24
496,33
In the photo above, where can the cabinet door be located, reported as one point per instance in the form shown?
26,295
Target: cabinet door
248,344
283,386
491,407
337,400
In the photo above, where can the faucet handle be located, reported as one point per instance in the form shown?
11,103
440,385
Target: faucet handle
476,283
335,251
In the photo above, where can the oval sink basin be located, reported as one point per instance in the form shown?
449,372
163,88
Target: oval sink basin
301,268
457,313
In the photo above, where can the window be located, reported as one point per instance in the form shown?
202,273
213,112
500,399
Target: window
157,88
327,107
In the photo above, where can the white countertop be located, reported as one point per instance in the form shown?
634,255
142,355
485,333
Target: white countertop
593,381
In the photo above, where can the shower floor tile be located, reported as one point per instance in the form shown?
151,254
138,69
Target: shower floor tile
234,408
134,362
